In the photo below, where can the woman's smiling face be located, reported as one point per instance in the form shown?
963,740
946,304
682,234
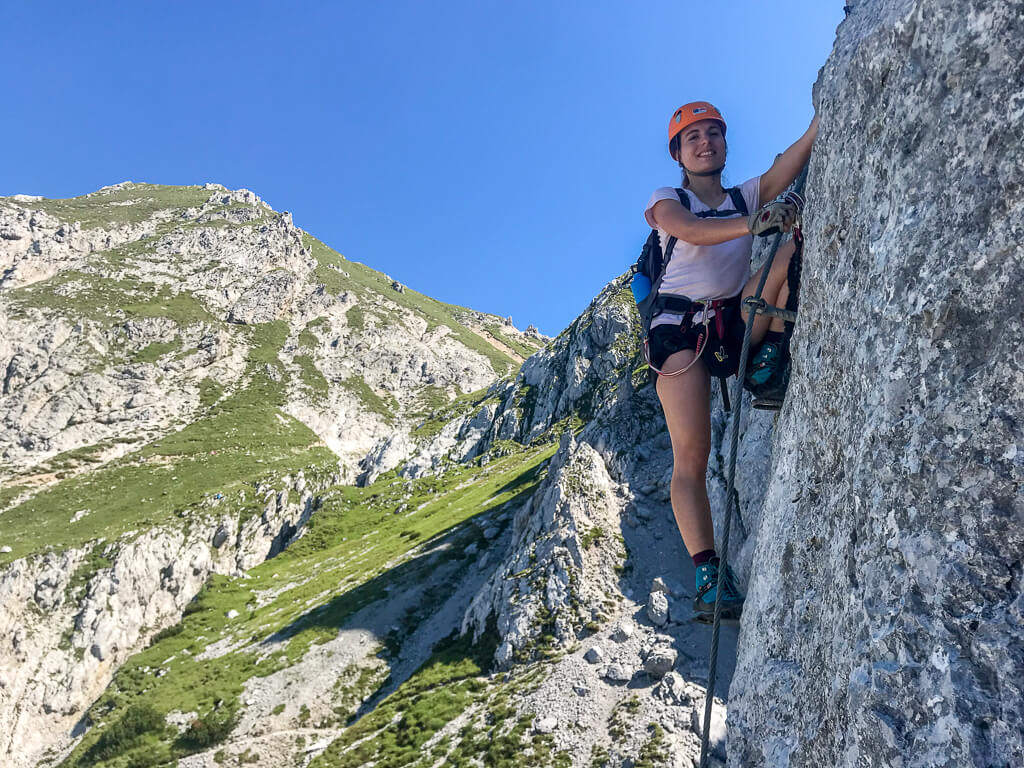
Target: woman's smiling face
702,146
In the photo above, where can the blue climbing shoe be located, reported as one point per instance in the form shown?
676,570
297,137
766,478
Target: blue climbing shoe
707,588
768,372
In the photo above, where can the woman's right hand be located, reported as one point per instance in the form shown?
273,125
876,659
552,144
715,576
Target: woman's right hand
780,215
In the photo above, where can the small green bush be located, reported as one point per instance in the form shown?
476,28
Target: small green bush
591,536
138,720
166,632
204,732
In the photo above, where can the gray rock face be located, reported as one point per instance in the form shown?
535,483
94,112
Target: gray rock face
884,622
617,673
623,631
547,571
574,373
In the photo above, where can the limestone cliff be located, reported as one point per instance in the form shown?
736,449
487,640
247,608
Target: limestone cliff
885,617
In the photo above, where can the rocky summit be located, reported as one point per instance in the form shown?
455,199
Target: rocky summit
264,506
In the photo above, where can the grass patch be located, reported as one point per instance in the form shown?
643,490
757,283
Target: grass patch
521,349
438,411
395,732
8,494
204,732
153,352
65,462
386,406
497,736
311,376
106,301
93,562
591,536
210,391
130,205
125,734
654,753
353,687
307,338
431,399
355,317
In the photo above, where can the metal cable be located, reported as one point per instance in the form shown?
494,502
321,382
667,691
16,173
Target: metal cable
730,482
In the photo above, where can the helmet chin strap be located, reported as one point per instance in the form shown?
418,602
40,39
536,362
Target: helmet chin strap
703,173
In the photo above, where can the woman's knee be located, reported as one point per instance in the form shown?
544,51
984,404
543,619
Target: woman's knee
689,467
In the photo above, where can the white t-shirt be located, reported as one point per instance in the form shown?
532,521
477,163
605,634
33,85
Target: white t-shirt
705,271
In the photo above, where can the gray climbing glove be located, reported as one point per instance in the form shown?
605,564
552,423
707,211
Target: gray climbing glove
780,215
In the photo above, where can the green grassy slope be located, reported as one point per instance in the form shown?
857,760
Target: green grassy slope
330,573
238,442
129,205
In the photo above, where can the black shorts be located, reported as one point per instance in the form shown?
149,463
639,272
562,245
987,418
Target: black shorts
721,355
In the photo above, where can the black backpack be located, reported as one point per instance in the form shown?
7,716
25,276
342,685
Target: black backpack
652,261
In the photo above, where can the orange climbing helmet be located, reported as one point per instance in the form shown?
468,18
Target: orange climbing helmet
688,114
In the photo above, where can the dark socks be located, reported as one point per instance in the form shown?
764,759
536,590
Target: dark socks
703,557
775,337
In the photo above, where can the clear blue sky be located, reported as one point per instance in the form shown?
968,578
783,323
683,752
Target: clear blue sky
496,154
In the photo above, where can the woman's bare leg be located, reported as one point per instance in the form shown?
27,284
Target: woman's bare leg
685,400
776,291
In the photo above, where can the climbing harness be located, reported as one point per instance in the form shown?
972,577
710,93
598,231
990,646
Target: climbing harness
649,270
692,315
730,485
702,342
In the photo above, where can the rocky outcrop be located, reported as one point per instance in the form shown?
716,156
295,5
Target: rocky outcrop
614,476
70,619
885,613
563,559
62,389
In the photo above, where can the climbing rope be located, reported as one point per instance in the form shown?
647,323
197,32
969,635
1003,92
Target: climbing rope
730,483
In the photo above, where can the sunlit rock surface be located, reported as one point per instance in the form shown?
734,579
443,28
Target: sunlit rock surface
884,623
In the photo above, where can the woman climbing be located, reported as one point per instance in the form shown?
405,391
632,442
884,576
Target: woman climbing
709,234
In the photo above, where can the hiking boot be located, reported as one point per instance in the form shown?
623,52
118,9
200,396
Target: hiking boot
768,372
707,588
